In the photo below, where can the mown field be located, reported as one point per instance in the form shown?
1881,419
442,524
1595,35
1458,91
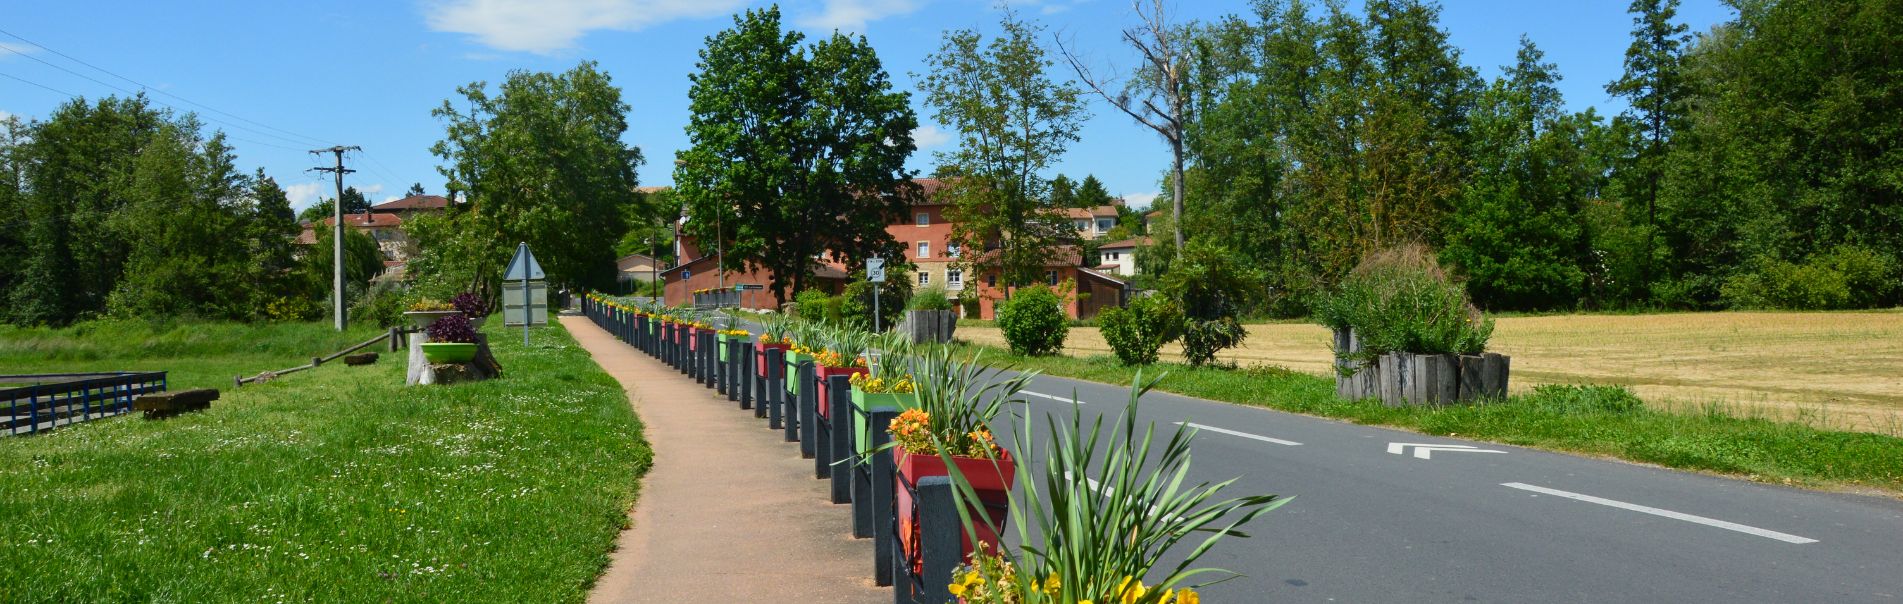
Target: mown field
333,485
1838,370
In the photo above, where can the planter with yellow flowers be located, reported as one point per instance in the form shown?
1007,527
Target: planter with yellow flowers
875,390
735,336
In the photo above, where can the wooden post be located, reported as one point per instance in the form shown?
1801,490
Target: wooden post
839,426
883,546
1471,367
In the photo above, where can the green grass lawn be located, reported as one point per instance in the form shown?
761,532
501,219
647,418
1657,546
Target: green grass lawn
1593,420
332,485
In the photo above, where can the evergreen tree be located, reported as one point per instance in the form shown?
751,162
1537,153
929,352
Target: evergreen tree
1653,83
271,229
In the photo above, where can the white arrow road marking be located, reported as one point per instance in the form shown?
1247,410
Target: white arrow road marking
1241,434
1425,450
1052,397
1729,526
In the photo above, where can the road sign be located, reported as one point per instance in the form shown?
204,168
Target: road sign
512,303
875,270
523,266
1424,451
749,287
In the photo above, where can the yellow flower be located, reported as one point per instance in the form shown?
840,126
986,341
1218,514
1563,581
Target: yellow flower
1051,584
1130,591
957,589
1188,596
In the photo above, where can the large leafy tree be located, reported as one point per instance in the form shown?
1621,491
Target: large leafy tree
1654,85
541,161
797,151
185,223
1517,230
1157,93
79,163
354,203
1013,121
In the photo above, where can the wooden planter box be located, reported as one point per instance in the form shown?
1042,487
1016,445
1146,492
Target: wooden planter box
1419,379
929,325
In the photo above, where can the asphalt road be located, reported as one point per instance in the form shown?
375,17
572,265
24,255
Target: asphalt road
1377,519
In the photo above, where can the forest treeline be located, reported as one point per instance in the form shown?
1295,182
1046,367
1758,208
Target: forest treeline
117,207
1760,164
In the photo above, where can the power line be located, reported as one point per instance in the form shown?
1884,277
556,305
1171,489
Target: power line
309,139
55,90
121,89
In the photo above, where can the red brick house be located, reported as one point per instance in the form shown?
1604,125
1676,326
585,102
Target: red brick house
926,237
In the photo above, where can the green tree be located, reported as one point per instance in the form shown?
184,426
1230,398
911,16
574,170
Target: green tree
80,161
1654,85
185,222
796,151
354,203
416,188
1212,288
269,236
540,162
1516,231
362,262
1013,122
14,141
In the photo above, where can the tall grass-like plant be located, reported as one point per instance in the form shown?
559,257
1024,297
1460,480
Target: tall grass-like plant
775,328
957,399
1096,521
1400,300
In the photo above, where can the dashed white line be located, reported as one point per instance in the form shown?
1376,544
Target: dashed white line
1052,397
1227,431
1711,522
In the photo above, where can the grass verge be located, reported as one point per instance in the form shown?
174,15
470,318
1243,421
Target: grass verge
333,485
1595,420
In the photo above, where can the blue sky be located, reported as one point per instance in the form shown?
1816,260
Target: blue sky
285,77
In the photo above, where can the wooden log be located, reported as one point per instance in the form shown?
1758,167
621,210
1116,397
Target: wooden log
1492,375
1392,377
1471,367
161,405
1412,379
354,360
1500,365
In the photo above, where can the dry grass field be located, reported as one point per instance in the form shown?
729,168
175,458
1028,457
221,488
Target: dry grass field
1840,370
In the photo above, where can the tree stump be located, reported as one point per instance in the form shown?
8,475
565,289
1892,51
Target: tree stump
360,359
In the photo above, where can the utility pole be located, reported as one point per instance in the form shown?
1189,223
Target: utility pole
337,231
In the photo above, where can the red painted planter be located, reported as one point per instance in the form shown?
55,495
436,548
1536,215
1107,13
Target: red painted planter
759,356
825,375
991,479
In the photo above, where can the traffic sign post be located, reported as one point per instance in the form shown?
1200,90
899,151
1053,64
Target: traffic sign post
875,274
524,269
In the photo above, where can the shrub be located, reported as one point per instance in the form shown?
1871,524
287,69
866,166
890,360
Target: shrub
1399,300
930,298
382,304
1588,399
453,328
1847,276
810,304
1135,333
291,308
1033,321
855,306
1211,288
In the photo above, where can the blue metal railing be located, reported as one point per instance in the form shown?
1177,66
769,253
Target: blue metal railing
50,400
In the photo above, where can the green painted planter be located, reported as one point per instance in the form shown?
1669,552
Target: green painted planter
864,403
722,345
449,352
792,371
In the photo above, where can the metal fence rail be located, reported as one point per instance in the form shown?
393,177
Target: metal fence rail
51,400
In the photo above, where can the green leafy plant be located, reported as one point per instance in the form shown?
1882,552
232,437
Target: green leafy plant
1033,321
1400,300
1137,331
930,298
1212,288
855,305
1099,516
957,399
1847,276
811,305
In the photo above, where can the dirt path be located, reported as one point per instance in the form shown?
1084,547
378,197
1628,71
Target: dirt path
729,513
1841,369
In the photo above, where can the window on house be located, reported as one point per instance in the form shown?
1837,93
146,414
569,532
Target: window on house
1050,277
924,219
951,249
1105,224
954,279
924,249
991,280
924,278
1082,225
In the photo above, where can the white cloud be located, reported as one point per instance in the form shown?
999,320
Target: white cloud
1141,201
929,136
548,26
1052,7
4,115
390,198
304,194
370,189
9,48
853,15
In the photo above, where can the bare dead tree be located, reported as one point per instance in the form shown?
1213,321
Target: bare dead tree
1154,94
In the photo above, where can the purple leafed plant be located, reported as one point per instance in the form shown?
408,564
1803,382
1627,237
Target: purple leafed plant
470,304
453,328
